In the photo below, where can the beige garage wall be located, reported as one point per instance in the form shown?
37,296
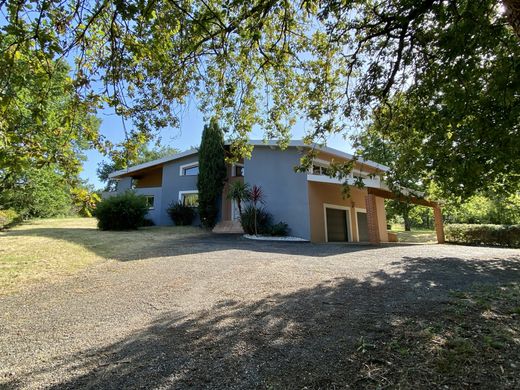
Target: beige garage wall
320,193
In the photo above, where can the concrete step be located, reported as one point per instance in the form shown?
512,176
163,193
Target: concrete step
228,227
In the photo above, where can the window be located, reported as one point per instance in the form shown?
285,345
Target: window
320,170
190,169
189,198
238,170
359,175
134,182
150,201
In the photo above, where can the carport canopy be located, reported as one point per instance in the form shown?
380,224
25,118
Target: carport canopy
373,230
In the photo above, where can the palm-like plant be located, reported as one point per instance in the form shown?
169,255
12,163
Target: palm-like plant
239,192
256,197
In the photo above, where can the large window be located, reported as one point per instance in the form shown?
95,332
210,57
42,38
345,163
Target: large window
190,169
189,198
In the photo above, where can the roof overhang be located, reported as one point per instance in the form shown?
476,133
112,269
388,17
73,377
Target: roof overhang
272,143
151,164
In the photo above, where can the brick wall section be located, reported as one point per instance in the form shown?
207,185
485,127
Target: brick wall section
373,227
439,228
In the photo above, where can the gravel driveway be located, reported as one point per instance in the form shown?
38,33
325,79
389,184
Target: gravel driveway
223,312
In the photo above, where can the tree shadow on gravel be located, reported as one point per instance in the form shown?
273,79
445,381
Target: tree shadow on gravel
382,331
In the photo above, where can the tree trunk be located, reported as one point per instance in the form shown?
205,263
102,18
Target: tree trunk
407,224
513,14
406,218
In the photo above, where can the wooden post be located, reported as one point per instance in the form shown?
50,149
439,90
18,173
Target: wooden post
373,225
439,227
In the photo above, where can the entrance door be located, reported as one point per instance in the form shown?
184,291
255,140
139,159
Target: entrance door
362,223
235,214
337,228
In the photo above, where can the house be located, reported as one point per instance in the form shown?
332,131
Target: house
311,203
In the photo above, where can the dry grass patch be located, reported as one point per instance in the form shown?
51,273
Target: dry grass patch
462,346
44,250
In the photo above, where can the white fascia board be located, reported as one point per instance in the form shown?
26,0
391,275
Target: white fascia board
149,164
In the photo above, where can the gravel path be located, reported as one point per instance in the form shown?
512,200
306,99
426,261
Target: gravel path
225,312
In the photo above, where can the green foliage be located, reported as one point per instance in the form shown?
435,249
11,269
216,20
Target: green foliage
85,201
256,197
495,235
122,212
7,217
42,120
39,193
255,220
280,229
443,74
180,214
212,172
239,192
487,209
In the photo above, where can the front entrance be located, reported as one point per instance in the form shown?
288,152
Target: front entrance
336,221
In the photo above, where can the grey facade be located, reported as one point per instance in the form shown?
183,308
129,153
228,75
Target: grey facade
298,199
286,194
173,183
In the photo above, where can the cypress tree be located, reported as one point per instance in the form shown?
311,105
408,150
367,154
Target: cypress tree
212,172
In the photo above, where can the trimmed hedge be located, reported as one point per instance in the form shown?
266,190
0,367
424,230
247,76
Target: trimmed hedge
494,235
8,217
122,212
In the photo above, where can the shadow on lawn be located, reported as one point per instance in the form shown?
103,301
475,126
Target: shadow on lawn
379,332
160,242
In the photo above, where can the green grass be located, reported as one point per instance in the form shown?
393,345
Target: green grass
416,235
48,249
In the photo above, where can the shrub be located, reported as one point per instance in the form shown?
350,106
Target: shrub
7,217
496,235
263,220
148,222
280,229
180,214
122,212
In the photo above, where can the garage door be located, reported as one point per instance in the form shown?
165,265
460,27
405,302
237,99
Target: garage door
337,229
362,223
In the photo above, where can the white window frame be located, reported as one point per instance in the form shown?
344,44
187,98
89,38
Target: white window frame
182,168
320,163
349,219
233,170
150,196
182,193
360,210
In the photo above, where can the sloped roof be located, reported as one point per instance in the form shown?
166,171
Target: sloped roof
271,143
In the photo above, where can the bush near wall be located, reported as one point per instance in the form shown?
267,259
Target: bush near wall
7,217
180,214
122,212
494,235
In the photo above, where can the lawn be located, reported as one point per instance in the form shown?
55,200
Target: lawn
416,235
48,249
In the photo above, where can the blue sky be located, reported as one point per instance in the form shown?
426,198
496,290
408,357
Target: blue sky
187,136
